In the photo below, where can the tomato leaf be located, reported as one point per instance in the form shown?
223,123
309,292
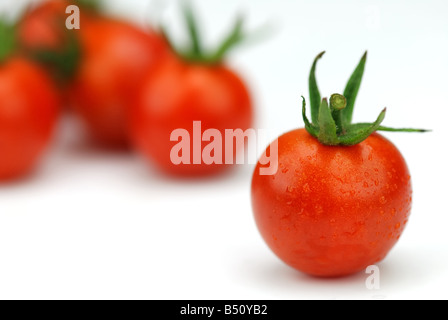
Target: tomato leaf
315,97
389,129
190,19
312,129
359,132
234,38
382,128
327,126
351,90
63,64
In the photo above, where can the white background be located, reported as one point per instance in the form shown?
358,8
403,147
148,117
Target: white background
95,225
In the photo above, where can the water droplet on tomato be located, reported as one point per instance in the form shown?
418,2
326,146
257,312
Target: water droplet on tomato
306,188
383,200
285,170
397,226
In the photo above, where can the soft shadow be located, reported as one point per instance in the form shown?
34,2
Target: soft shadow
403,273
147,173
406,269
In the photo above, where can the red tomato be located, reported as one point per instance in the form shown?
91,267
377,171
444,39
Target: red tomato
116,57
28,113
42,27
174,96
332,210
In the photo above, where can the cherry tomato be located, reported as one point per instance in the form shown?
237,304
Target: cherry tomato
342,194
28,113
332,211
42,26
116,56
192,86
174,96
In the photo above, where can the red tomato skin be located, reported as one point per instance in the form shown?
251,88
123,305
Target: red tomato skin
43,26
332,211
116,57
174,96
28,113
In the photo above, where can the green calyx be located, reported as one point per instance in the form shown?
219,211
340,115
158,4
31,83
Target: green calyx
331,121
7,39
195,51
63,63
92,5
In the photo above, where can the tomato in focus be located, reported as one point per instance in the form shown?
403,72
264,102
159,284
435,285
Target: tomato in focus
333,211
342,194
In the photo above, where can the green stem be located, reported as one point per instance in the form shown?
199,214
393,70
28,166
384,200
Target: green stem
337,104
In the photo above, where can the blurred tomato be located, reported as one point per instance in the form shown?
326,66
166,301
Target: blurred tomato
193,86
43,26
178,93
42,35
28,113
115,58
101,64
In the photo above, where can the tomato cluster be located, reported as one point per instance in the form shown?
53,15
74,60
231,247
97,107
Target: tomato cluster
128,85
